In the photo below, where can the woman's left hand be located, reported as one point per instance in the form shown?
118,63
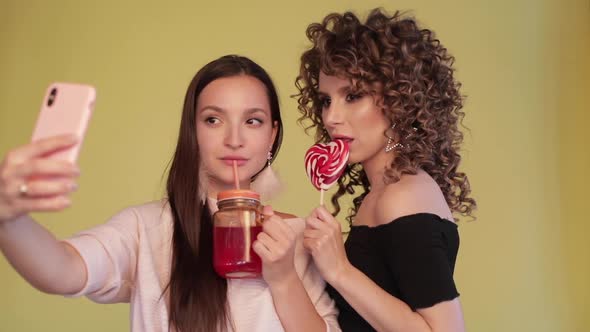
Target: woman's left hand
323,239
276,247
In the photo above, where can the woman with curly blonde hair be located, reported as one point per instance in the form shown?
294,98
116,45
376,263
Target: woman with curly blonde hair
386,86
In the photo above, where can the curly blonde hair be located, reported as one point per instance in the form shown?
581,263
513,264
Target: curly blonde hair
410,75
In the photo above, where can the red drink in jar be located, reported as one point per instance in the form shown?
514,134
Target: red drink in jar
233,254
235,227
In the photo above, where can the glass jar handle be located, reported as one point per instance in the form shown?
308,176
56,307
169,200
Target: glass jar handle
262,216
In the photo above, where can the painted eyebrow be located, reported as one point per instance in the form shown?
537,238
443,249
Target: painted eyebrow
212,108
218,109
254,110
342,90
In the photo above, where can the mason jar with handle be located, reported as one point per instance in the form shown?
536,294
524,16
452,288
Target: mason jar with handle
235,227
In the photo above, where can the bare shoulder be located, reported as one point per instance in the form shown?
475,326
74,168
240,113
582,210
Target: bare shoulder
412,194
285,215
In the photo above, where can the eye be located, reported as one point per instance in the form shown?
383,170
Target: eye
212,120
255,121
351,97
325,102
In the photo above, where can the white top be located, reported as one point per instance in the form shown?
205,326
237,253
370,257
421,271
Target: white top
128,259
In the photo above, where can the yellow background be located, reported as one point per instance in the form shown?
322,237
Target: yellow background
524,265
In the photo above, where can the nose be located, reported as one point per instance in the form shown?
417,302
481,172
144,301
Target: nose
234,137
332,116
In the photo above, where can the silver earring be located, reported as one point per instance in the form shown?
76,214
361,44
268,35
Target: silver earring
268,158
390,145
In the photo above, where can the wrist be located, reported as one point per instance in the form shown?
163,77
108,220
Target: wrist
6,223
285,283
341,276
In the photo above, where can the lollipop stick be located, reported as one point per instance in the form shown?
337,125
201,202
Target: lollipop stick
236,177
321,197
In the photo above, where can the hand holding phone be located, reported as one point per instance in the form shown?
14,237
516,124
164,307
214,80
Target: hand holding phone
41,175
66,109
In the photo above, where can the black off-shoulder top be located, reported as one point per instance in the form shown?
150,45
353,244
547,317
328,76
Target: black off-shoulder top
412,258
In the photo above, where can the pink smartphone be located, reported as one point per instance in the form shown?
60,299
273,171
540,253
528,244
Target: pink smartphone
66,109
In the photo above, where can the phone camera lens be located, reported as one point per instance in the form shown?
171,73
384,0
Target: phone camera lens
51,98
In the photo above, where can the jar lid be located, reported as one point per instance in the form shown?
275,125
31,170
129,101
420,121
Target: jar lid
237,193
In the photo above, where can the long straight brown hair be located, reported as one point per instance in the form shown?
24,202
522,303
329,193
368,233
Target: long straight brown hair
198,296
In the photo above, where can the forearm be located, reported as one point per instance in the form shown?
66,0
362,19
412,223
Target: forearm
380,309
294,308
46,263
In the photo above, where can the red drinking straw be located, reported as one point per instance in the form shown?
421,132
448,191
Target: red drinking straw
236,177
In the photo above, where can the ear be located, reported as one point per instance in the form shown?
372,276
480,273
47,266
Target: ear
275,131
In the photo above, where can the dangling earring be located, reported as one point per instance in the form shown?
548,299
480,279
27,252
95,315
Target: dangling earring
397,145
390,145
203,187
267,183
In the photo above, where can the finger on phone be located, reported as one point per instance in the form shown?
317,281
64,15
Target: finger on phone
47,146
48,167
47,188
50,204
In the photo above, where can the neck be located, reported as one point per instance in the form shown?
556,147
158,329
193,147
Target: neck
375,169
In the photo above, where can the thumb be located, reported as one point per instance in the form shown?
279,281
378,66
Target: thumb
323,214
267,210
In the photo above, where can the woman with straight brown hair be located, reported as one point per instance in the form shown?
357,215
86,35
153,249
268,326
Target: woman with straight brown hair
159,256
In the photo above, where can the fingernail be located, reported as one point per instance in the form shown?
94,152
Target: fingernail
73,187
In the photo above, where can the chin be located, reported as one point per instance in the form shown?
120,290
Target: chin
353,159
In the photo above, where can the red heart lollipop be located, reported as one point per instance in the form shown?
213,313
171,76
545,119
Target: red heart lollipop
325,163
